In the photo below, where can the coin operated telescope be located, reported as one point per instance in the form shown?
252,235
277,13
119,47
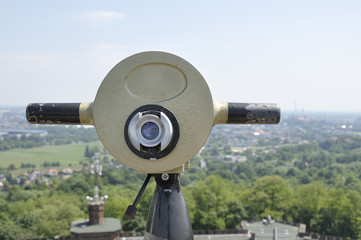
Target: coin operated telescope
153,112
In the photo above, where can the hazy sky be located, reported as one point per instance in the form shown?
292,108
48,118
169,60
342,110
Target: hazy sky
304,52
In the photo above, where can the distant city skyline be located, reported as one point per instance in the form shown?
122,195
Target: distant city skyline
286,52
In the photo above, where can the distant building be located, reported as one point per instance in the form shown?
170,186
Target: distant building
85,169
25,174
235,158
34,175
51,172
269,229
203,164
67,171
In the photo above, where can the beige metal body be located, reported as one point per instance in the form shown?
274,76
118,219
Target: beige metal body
154,78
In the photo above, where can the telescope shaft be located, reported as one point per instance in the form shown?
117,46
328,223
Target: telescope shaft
253,113
59,113
247,113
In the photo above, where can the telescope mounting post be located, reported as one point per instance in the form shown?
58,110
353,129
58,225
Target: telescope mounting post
168,216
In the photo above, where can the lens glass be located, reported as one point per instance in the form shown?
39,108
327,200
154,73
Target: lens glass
150,130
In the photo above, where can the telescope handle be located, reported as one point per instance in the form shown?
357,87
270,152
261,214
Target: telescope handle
60,113
224,113
247,113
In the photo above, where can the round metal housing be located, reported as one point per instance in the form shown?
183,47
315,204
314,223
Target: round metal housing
159,79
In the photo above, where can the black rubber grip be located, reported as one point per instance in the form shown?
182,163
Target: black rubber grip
53,113
254,113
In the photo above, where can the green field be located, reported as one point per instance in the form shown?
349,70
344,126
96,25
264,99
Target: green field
64,154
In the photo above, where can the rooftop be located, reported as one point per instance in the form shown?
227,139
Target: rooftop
83,226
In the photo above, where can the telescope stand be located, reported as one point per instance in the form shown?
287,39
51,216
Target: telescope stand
168,216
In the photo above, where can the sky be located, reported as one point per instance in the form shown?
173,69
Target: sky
304,55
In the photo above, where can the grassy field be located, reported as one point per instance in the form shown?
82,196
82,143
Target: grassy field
64,154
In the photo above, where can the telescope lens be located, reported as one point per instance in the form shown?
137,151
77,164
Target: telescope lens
150,130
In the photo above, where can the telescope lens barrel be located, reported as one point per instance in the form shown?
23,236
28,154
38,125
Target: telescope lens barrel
253,113
53,113
150,130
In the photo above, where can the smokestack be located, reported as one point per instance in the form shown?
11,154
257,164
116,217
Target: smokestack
96,212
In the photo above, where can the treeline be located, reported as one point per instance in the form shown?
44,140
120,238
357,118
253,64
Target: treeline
213,203
317,184
22,142
217,203
39,210
336,163
65,135
51,164
90,151
26,165
59,135
12,167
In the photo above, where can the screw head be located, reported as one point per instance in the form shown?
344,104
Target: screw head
165,176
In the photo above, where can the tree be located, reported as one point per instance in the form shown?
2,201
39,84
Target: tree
137,225
271,195
12,167
94,150
87,153
337,216
55,218
10,231
245,171
214,152
227,149
80,186
28,220
212,199
116,206
309,199
236,213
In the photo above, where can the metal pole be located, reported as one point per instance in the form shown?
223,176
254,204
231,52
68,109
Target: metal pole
168,216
